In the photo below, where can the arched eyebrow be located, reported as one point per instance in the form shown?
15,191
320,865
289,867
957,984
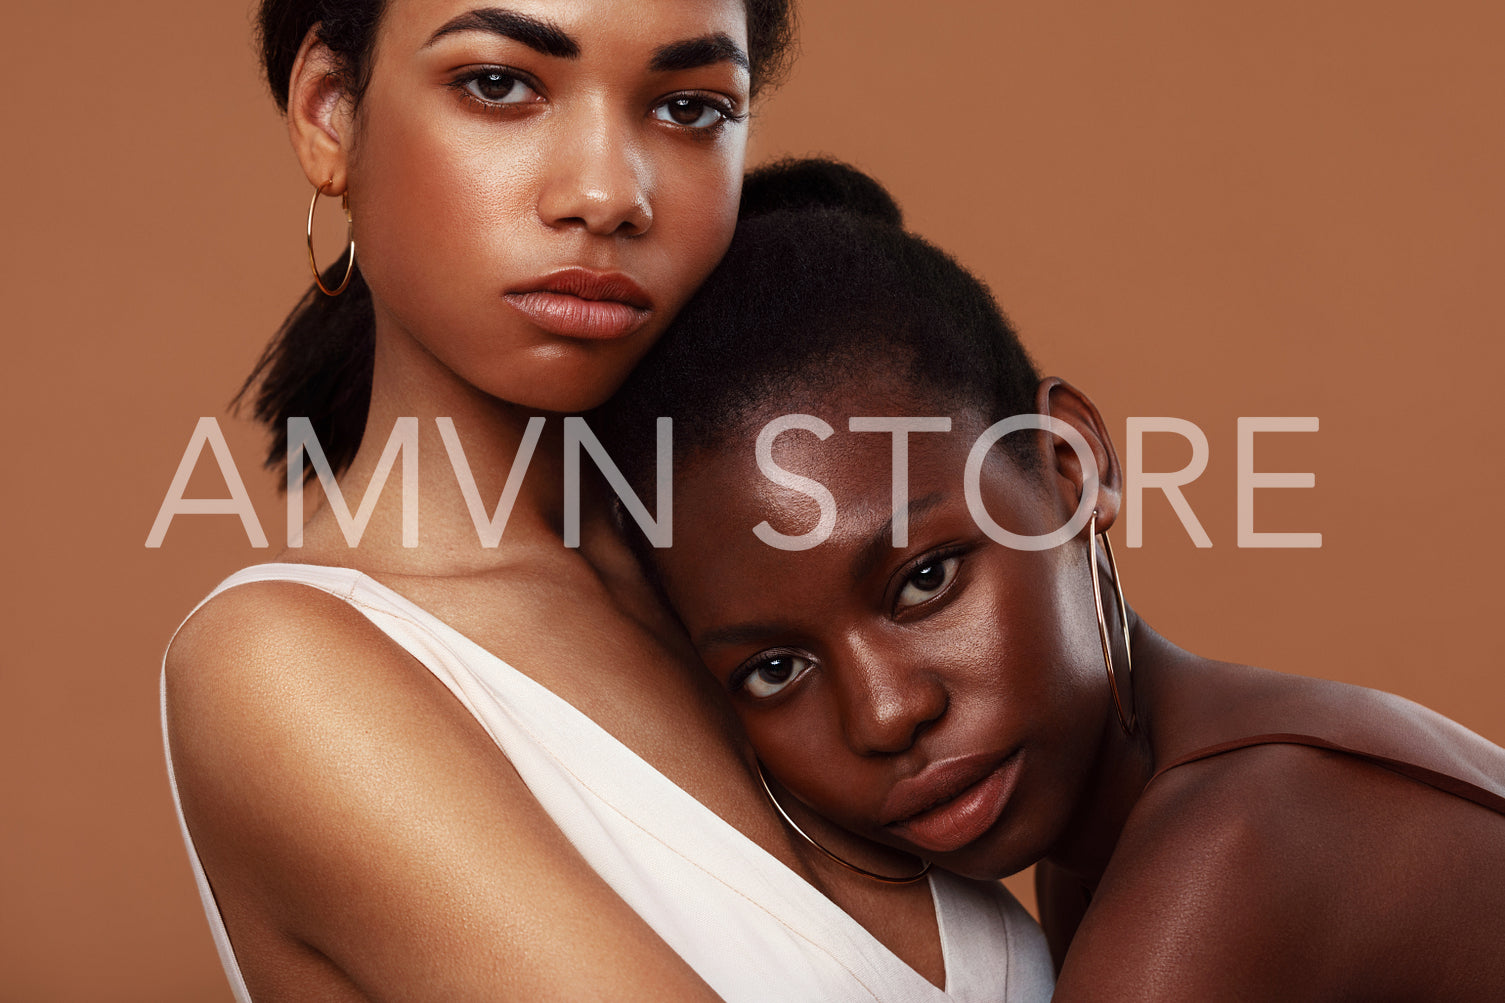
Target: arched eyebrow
551,40
693,53
738,635
877,549
533,32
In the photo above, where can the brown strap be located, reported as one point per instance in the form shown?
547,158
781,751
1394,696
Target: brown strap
1442,781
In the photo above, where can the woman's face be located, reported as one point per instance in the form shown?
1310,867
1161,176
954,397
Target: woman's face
947,696
537,190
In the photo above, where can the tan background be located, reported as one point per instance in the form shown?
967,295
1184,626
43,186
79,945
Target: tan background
1190,209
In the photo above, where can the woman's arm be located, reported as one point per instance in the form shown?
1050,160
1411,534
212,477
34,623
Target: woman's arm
365,838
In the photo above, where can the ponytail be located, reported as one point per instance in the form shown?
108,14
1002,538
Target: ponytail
319,364
318,367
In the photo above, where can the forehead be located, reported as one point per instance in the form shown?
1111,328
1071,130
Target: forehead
855,466
719,571
409,24
723,486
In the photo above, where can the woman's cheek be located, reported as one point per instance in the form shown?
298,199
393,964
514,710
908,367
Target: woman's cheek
696,214
805,751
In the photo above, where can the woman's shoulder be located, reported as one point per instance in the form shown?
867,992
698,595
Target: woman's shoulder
1305,781
281,669
278,683
1293,873
266,599
340,798
271,627
1215,709
1282,828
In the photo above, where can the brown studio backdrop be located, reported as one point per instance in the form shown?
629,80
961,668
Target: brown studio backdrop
1189,209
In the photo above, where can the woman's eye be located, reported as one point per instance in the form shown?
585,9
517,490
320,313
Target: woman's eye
691,112
499,87
772,675
927,581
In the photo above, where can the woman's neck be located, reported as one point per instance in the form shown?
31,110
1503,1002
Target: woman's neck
467,444
1122,767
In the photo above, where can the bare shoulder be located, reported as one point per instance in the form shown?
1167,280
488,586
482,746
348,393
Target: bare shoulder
1197,878
364,836
267,680
258,637
1286,872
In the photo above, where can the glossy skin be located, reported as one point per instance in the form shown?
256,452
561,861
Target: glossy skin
956,675
876,681
364,837
478,166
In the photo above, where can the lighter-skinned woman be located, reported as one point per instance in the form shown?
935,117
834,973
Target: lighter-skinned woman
472,769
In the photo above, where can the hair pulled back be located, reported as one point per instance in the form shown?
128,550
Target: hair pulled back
822,287
319,364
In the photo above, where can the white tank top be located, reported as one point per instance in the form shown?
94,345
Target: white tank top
699,882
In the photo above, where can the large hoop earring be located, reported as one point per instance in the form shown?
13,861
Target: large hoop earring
1126,721
349,241
911,879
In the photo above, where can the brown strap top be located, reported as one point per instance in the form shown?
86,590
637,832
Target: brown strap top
1421,774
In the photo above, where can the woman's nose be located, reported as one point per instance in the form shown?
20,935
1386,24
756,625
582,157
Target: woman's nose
598,179
888,704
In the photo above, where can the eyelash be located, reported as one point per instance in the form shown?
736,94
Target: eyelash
461,85
903,576
725,110
737,682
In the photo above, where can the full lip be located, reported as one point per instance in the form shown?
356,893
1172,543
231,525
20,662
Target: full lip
582,303
952,801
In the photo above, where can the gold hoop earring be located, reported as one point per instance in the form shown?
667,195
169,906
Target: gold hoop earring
349,241
1128,721
911,879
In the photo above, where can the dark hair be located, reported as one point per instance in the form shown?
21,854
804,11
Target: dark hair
319,364
821,285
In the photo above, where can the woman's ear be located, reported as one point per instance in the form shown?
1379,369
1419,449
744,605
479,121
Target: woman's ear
1059,399
319,115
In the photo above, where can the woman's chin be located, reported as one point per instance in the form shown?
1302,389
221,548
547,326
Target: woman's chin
1001,853
568,381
